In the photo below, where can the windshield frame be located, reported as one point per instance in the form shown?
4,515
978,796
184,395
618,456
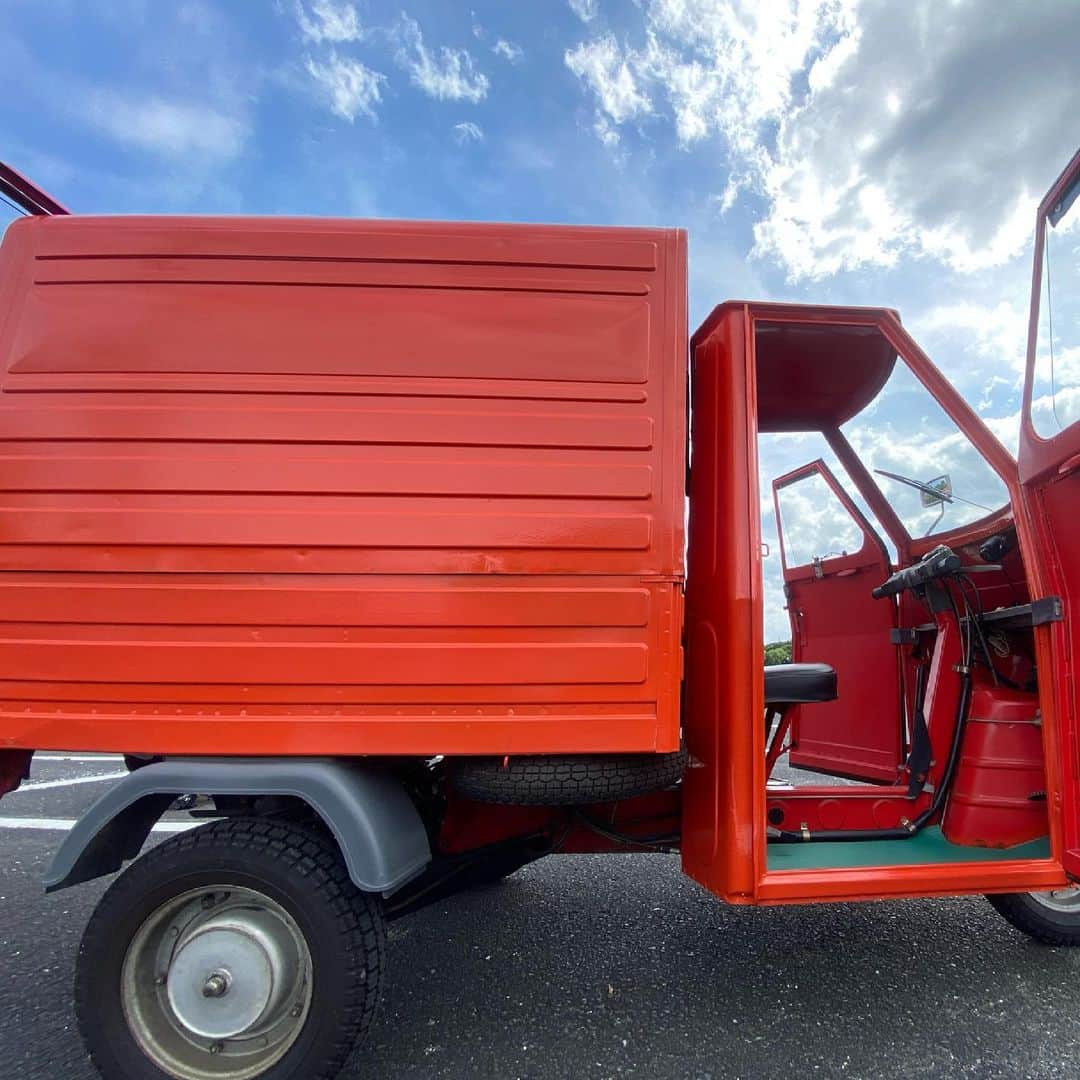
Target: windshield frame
986,444
960,412
1039,455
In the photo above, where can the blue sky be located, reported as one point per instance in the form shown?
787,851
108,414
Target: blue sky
842,151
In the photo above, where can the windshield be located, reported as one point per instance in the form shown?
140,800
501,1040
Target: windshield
926,467
1055,395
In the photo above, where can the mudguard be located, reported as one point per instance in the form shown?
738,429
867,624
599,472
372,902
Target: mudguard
375,823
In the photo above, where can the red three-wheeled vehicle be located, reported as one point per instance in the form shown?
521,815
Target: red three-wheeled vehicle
372,537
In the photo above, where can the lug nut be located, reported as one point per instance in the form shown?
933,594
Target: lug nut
217,985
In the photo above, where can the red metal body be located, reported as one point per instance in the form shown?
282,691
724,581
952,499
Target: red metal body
999,798
295,487
378,488
1050,494
836,621
883,807
725,801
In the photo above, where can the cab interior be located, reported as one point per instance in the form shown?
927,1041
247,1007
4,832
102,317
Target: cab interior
905,728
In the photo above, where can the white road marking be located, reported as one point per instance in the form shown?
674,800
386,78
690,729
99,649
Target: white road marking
40,785
64,824
78,757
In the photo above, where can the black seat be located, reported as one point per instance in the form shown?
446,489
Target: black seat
794,684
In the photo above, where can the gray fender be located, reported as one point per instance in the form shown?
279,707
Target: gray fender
375,823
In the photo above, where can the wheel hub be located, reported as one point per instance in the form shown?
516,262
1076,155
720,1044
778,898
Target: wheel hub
228,974
1063,900
217,983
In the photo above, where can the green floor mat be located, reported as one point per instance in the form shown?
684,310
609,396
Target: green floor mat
926,846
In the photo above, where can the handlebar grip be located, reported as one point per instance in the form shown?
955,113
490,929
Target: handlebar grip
887,588
939,563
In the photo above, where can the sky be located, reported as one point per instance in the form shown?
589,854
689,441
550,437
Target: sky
834,151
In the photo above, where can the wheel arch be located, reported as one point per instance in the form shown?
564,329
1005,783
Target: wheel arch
374,822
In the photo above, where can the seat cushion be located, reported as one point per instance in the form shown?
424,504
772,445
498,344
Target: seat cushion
792,684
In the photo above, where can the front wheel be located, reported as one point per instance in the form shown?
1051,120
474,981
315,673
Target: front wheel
239,950
1050,917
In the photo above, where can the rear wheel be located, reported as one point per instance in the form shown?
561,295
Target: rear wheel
237,951
1050,917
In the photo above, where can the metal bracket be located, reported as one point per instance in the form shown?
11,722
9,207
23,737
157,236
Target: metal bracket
1048,609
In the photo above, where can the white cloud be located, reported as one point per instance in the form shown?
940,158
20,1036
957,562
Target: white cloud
449,75
610,74
507,50
467,132
815,522
991,387
605,132
329,20
872,131
995,332
723,66
170,128
349,86
585,10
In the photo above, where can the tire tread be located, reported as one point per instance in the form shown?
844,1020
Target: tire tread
566,781
1022,912
304,854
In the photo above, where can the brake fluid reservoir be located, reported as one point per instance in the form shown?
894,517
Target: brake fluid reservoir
998,797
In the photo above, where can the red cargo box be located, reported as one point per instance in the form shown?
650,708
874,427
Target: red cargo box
339,487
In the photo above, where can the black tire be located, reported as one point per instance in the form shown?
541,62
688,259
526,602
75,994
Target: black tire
299,870
1043,923
559,780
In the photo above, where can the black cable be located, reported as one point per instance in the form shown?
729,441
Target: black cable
964,624
901,832
965,584
905,832
999,679
620,838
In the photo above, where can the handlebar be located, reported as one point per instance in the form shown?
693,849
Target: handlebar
939,563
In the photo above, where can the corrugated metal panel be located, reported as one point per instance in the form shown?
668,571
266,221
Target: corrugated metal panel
284,464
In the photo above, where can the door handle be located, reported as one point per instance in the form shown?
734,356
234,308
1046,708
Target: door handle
1069,465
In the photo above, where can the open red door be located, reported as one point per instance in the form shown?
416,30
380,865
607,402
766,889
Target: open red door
1049,463
832,558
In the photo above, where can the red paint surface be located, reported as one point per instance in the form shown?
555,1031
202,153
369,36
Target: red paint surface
340,487
834,808
835,620
998,798
1049,496
723,789
724,798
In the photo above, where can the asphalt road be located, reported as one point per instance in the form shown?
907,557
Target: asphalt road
610,966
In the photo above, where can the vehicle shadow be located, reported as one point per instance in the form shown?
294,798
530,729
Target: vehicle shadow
604,966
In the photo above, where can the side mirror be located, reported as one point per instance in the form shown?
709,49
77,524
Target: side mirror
937,491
